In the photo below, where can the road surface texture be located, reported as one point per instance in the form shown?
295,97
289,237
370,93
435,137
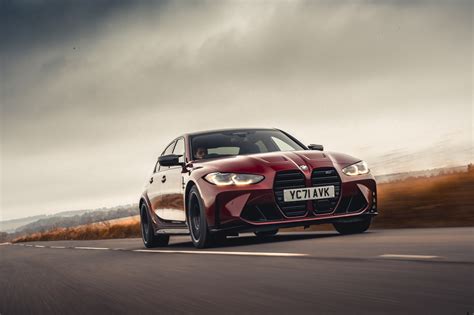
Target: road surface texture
404,271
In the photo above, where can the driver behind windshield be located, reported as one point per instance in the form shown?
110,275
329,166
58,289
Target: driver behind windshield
200,153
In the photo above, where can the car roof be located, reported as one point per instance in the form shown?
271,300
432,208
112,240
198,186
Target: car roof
226,129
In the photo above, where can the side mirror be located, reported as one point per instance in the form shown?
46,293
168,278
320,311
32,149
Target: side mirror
169,160
317,147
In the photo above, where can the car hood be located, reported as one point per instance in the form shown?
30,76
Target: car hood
278,161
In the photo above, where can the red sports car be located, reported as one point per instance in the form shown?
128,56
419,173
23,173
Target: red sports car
218,183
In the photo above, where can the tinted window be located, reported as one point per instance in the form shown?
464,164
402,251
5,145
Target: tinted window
179,148
168,150
282,145
239,142
157,167
224,150
262,146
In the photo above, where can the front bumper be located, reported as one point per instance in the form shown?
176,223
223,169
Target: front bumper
242,226
258,209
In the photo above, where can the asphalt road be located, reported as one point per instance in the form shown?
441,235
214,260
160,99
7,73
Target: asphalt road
405,271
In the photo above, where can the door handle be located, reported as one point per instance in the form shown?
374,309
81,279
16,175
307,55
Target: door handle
163,179
151,180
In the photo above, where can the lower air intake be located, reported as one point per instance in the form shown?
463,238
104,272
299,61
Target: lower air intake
261,213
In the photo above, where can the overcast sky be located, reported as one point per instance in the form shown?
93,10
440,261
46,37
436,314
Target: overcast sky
91,91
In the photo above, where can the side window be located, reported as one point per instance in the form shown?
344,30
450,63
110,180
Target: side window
179,149
282,145
168,150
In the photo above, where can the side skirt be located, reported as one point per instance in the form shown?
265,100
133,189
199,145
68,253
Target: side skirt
174,231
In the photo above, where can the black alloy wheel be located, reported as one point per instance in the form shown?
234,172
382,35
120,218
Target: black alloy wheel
197,223
149,238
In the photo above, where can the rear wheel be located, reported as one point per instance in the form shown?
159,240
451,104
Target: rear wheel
266,233
197,222
148,235
353,227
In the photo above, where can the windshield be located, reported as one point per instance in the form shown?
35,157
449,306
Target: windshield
239,142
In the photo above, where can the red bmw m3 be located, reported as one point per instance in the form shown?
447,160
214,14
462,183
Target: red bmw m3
218,183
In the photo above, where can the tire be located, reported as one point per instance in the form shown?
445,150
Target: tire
266,233
353,227
149,238
197,221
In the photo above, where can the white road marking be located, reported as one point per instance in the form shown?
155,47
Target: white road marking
408,256
5,244
93,248
220,253
263,254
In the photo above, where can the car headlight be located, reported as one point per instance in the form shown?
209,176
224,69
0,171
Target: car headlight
358,168
226,179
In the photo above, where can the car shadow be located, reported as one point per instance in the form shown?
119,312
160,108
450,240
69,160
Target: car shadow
246,240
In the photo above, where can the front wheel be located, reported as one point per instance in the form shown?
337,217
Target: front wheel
149,238
197,222
353,227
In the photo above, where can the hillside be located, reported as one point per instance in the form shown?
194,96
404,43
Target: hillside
75,218
11,225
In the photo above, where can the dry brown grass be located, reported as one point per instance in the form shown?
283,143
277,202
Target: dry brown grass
441,201
127,228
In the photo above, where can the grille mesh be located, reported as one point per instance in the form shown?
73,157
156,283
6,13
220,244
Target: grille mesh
326,177
289,180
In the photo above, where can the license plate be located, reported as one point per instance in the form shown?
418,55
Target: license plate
311,193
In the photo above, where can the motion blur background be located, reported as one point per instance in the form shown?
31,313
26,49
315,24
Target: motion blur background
92,91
